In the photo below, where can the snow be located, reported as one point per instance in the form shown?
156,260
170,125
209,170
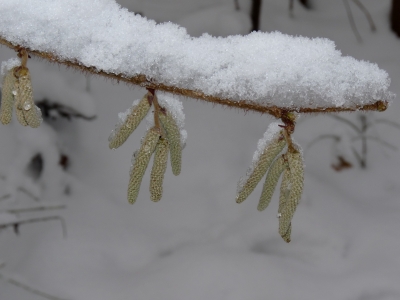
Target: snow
9,64
266,68
197,243
173,104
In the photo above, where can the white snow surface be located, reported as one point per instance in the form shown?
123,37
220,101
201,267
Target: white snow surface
267,68
9,64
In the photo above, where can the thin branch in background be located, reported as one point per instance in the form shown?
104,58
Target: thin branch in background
335,137
379,140
366,13
291,6
351,20
34,208
237,6
388,122
28,288
16,224
255,14
351,124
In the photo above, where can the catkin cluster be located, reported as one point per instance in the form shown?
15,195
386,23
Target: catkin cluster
161,139
272,162
17,92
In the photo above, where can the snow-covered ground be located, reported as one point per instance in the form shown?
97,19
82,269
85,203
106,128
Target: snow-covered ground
197,243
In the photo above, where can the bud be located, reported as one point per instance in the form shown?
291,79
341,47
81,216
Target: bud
271,180
132,121
261,167
158,170
174,140
141,161
7,97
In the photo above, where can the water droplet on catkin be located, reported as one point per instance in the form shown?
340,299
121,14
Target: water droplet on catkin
27,106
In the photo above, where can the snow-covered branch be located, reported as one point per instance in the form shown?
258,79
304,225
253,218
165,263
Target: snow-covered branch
266,72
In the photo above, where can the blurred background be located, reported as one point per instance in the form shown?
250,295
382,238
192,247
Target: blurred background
74,236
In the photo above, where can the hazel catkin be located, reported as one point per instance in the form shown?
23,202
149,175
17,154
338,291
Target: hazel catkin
264,162
174,141
7,97
132,121
141,161
158,170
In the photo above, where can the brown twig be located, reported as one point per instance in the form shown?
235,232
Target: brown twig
16,224
143,81
366,13
28,288
351,20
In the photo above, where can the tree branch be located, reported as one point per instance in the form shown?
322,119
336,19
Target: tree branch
143,81
28,288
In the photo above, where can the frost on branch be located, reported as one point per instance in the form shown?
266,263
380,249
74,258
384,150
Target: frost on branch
261,69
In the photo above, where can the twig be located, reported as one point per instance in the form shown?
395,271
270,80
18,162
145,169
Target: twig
351,20
245,105
34,208
16,224
351,124
366,13
322,137
388,122
28,288
237,6
377,139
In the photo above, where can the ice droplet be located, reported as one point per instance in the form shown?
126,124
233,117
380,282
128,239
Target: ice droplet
27,106
14,92
279,215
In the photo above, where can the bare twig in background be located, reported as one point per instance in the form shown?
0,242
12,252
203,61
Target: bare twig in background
33,208
255,14
366,13
351,20
237,6
16,224
28,288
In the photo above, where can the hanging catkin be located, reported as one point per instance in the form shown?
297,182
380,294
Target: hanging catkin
131,122
296,167
142,159
7,96
174,141
158,170
27,112
271,180
264,162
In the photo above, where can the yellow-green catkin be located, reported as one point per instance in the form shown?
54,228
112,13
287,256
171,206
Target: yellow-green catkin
296,167
131,123
158,170
141,161
7,97
283,197
271,180
264,162
18,104
174,140
24,98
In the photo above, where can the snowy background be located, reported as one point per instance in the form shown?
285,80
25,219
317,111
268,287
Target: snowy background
197,243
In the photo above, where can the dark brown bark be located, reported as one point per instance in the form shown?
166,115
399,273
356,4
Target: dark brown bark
395,17
255,14
305,3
